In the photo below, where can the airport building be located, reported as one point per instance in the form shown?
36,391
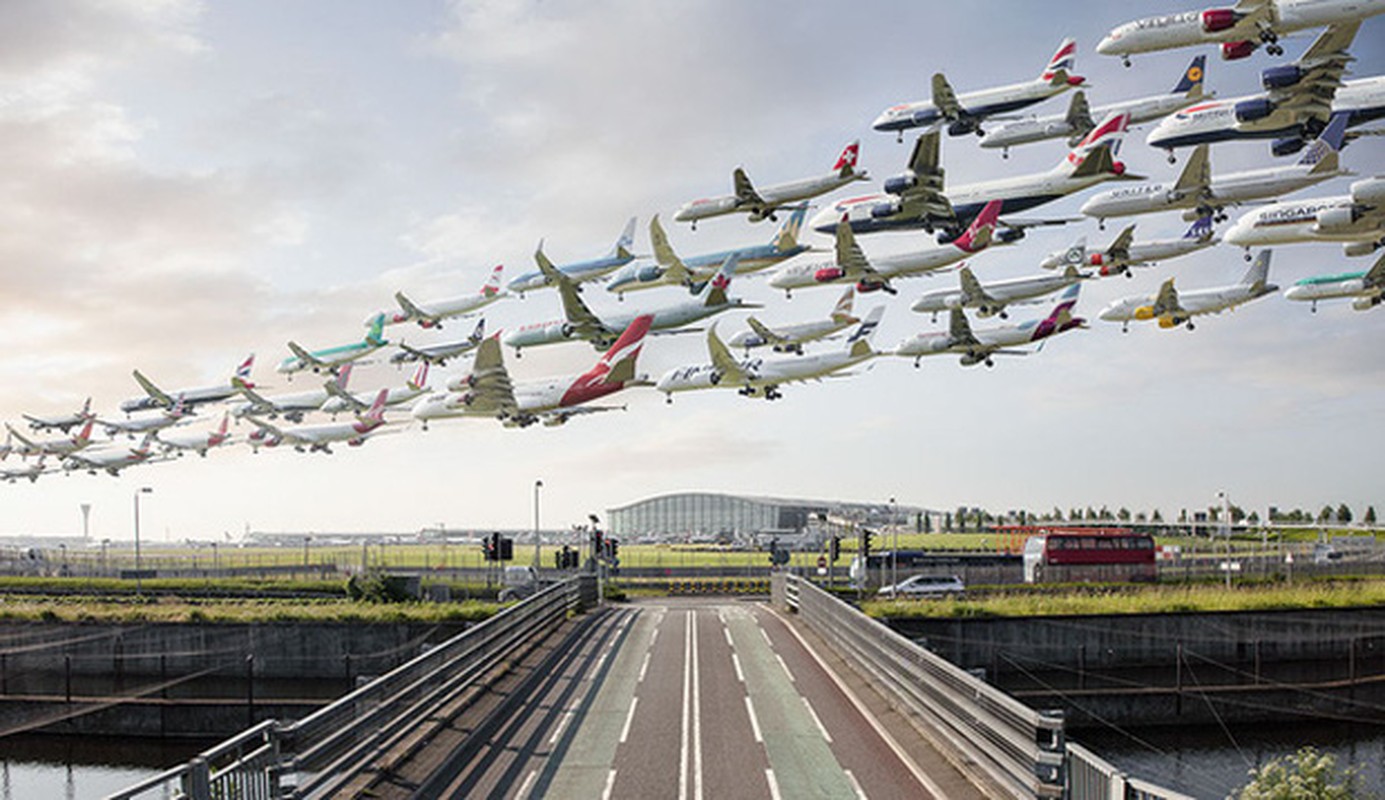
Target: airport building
710,517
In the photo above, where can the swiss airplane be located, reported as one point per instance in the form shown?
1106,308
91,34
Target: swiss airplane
852,267
199,442
488,391
980,346
111,458
431,314
668,269
158,398
579,271
1124,252
992,298
438,354
292,407
157,421
58,446
1239,29
1368,288
342,400
1199,193
1080,118
916,198
332,359
965,113
63,422
309,438
791,338
1173,308
762,377
1357,219
763,203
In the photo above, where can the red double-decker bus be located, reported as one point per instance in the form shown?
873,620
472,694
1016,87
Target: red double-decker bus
1062,554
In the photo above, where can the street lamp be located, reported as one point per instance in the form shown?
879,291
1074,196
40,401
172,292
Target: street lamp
894,553
537,486
139,584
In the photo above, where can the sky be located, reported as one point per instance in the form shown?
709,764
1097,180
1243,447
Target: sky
186,183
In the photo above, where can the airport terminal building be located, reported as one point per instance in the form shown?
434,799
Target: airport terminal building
710,517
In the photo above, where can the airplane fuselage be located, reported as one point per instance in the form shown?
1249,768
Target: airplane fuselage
330,358
1057,126
1140,253
998,294
977,105
827,273
1224,190
191,398
750,259
760,373
1290,222
774,197
397,395
579,272
554,331
1191,304
290,405
988,340
796,334
443,309
1187,28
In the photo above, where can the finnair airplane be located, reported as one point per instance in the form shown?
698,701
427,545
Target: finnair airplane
1173,308
981,346
579,271
1367,287
111,459
310,438
1199,193
965,113
1239,29
488,391
1357,219
763,203
1080,118
852,267
342,400
292,407
332,359
791,338
991,299
199,442
63,422
668,269
438,354
58,446
432,314
157,421
762,377
158,398
1124,252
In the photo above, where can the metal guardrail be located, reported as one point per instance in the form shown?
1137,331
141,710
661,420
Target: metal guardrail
313,756
1091,777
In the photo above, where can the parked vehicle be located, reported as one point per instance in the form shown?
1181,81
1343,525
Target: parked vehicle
926,586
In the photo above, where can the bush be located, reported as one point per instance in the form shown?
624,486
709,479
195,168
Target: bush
1305,775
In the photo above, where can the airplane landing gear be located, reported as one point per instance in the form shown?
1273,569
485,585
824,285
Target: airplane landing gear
1247,255
899,136
1125,61
1005,153
989,363
1191,326
916,362
668,399
1173,159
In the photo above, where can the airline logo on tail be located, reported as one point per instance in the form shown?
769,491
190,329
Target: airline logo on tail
243,371
1192,76
846,162
1201,228
420,378
375,416
617,365
1330,141
1108,134
977,236
1063,60
492,287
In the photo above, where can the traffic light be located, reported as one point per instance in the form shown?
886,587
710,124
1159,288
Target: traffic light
615,548
490,547
834,549
598,546
506,548
866,535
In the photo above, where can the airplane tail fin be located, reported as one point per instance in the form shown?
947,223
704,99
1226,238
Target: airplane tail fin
1322,154
243,371
343,376
86,409
491,288
1060,67
621,249
787,238
1201,229
721,282
1063,310
420,378
147,442
846,162
1190,84
1076,254
617,365
225,420
84,435
841,313
977,236
479,333
1259,272
859,343
376,412
1096,152
376,334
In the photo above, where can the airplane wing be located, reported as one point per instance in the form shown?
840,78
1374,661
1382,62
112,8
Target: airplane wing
1167,300
353,403
259,402
725,364
850,257
562,415
304,357
945,99
745,190
1375,276
584,323
925,197
273,431
413,310
674,269
1322,67
959,331
972,289
1079,117
491,391
763,331
1119,249
153,391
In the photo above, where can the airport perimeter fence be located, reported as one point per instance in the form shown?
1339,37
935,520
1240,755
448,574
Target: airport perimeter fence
1022,752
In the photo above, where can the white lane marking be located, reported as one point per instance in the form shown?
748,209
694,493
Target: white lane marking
736,662
644,667
629,718
527,785
729,643
765,634
697,714
610,785
855,785
773,785
786,668
562,723
754,720
816,720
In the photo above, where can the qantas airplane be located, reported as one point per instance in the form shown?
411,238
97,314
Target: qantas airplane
198,443
763,203
1124,252
438,354
1368,288
432,314
158,398
59,446
992,298
310,438
668,269
332,359
579,271
63,422
916,198
762,377
1357,219
489,392
791,338
110,458
1239,29
979,347
1173,308
965,113
292,407
343,400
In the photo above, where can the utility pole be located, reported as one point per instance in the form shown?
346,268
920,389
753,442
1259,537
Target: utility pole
537,486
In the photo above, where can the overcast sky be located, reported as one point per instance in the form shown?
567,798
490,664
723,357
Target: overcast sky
186,183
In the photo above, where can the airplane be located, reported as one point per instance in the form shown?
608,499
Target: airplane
32,471
1124,253
916,199
1239,29
763,203
1199,193
63,422
438,354
7,447
333,358
1298,100
668,269
309,438
489,392
293,407
1081,118
431,315
579,271
791,338
1173,308
991,299
157,421
978,347
580,323
963,114
342,400
762,377
110,458
158,398
58,446
199,442
1367,287
1357,219
851,265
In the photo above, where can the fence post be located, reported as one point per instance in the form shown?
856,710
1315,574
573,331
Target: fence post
250,690
197,783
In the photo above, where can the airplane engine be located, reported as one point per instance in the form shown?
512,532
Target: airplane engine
650,273
1145,312
1287,147
1008,235
828,274
1215,20
1366,303
1167,322
1357,249
566,330
1234,51
1336,220
1280,77
357,442
899,184
972,359
1252,110
1370,192
959,128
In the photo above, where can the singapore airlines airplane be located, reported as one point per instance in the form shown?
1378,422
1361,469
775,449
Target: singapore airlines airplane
432,314
1124,252
579,271
763,203
1357,219
1173,308
980,346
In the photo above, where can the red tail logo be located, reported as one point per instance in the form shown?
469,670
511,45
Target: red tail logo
848,156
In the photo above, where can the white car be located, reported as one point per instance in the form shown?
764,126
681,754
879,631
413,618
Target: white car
926,586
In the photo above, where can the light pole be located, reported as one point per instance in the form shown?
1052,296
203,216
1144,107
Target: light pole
894,553
139,581
537,486
1226,520
306,540
86,522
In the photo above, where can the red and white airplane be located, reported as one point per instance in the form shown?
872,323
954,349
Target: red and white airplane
761,204
488,392
58,446
198,443
63,422
308,438
111,458
432,314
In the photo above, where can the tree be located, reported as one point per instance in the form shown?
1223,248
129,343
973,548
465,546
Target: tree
1237,513
1305,774
1123,514
947,521
1254,518
1140,516
1343,514
1183,516
1155,516
1369,519
927,522
1325,515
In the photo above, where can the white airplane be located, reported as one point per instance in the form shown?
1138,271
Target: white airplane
1124,252
198,443
157,421
580,323
980,346
343,400
31,471
63,422
1298,100
432,314
438,354
991,299
763,376
763,203
1357,219
1239,29
791,338
488,391
333,359
111,458
1199,193
292,407
965,113
1367,287
57,446
579,271
916,199
158,398
309,438
1081,118
668,269
1173,308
